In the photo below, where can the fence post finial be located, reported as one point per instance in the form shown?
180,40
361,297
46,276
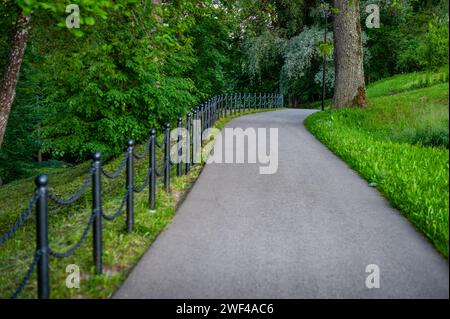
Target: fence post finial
97,211
43,276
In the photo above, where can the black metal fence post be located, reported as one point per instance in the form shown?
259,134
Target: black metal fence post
206,115
222,106
130,186
180,147
240,102
152,168
188,143
43,276
202,118
215,109
218,107
195,141
232,103
227,104
210,115
210,112
211,118
97,210
167,157
200,124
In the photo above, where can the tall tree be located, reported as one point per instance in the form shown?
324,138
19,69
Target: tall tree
12,69
19,41
349,87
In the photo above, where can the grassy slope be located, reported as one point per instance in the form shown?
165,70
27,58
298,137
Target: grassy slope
399,142
121,250
397,84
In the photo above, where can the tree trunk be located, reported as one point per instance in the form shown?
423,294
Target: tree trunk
349,86
12,70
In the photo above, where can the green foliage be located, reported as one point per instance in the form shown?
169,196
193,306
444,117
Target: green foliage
391,144
212,50
301,52
326,48
110,83
140,67
413,36
434,50
262,54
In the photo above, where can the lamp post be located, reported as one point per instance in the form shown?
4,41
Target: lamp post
325,13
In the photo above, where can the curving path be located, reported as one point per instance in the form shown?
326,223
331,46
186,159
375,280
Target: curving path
308,231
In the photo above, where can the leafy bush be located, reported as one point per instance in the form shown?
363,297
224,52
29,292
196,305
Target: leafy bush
434,50
413,36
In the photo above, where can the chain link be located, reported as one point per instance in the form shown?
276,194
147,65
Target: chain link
158,174
26,278
21,220
144,154
76,196
119,210
145,184
119,170
77,245
163,142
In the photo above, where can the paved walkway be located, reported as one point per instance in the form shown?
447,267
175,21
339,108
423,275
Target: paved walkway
308,231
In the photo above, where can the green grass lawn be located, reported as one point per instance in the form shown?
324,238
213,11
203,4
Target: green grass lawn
399,142
121,249
397,84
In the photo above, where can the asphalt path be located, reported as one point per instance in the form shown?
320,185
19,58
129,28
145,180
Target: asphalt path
308,231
